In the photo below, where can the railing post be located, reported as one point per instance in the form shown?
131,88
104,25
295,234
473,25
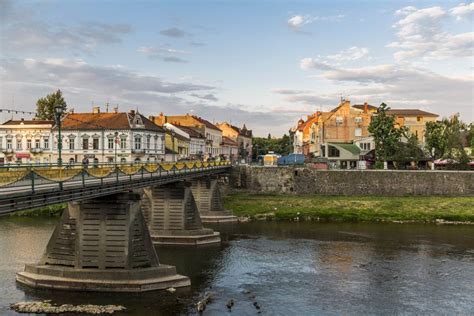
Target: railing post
83,178
117,174
142,173
32,181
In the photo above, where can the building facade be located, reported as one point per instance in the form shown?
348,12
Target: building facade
242,136
230,149
197,143
116,137
414,120
212,133
177,141
26,141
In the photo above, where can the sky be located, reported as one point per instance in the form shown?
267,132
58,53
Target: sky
262,63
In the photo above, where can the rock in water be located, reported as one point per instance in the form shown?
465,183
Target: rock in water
201,305
230,304
45,307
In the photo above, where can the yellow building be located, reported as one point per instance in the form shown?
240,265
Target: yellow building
413,119
176,143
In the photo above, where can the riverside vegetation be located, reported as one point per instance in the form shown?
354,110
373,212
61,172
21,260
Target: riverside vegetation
352,208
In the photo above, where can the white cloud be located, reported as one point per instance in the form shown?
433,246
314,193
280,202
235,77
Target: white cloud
420,33
163,53
462,10
297,21
314,63
350,54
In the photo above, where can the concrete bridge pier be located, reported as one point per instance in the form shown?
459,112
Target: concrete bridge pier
102,244
209,201
173,217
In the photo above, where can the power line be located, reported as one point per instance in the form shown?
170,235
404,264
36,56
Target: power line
16,111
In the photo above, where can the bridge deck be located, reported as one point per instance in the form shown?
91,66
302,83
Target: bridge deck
35,190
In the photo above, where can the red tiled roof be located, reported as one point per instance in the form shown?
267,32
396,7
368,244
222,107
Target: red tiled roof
207,123
410,112
97,121
361,106
229,142
28,122
193,132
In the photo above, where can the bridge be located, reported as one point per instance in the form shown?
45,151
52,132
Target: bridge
115,215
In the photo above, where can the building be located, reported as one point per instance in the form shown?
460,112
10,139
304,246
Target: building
109,137
230,149
177,143
414,120
242,136
212,133
26,141
197,142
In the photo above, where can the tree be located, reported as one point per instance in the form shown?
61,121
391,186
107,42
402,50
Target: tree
386,134
435,143
407,152
45,106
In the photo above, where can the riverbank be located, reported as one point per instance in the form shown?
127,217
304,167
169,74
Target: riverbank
48,211
351,208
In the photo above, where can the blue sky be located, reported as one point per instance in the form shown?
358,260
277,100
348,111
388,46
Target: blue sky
263,63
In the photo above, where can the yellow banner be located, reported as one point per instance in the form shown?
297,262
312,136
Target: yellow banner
190,164
9,177
198,164
130,170
101,172
167,166
179,165
58,173
151,167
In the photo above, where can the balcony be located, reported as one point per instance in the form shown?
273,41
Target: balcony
36,150
138,151
7,150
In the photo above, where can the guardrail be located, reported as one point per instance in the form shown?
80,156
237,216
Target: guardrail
34,175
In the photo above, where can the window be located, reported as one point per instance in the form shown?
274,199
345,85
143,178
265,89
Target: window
123,143
339,119
18,144
123,160
358,132
46,143
9,144
138,143
111,143
418,118
37,143
95,143
28,144
85,143
148,142
358,119
368,146
71,143
333,151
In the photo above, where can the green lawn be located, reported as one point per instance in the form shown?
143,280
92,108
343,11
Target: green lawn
352,208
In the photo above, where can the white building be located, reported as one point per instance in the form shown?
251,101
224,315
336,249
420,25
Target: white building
26,141
110,137
197,143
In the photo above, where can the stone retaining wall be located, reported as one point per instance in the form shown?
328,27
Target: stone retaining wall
352,182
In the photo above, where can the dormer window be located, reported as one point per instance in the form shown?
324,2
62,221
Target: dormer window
339,119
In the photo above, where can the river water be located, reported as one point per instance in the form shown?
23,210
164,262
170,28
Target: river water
287,268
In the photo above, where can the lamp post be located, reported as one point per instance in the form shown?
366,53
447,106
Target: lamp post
58,112
172,139
115,147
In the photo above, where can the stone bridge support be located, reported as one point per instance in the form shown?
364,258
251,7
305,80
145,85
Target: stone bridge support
209,201
102,244
173,217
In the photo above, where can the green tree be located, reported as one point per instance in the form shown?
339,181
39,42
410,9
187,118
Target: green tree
435,143
45,106
407,152
386,134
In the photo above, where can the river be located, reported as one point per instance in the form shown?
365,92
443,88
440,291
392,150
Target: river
287,268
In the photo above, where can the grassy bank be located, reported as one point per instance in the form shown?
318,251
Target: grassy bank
47,211
342,208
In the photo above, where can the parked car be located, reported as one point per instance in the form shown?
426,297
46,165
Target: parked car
292,159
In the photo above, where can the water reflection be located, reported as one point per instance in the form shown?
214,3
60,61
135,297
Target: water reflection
297,268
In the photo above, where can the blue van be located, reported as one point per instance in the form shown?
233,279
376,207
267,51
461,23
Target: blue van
291,159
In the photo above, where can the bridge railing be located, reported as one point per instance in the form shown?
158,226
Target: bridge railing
34,175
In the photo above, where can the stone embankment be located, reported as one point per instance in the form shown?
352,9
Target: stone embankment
301,180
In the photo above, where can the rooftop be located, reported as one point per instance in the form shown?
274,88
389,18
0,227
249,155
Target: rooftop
28,122
229,142
193,132
410,112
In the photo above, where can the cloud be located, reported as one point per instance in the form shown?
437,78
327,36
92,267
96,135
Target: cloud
420,33
314,63
197,44
166,54
288,91
24,31
297,21
350,54
462,10
404,85
208,97
173,32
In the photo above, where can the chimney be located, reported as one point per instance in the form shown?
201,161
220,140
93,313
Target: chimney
132,112
116,109
366,107
96,109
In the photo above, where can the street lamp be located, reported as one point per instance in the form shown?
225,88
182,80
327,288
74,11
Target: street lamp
58,113
172,139
115,147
